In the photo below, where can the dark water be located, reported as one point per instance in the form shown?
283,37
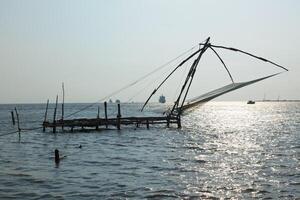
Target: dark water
225,149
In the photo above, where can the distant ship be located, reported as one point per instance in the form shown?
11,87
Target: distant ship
251,102
162,99
118,101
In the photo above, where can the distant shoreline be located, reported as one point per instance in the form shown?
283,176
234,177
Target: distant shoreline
287,100
284,100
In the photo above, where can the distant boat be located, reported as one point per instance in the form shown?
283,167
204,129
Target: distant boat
251,102
162,99
110,101
118,101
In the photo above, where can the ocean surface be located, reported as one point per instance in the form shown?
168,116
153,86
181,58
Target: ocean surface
224,150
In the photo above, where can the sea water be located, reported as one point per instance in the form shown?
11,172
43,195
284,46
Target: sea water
223,150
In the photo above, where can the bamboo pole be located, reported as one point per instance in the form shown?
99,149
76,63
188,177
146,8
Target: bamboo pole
54,115
13,117
105,111
97,126
118,117
63,106
178,121
18,121
45,117
168,121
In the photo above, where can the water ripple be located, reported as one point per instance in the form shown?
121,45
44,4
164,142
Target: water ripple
224,150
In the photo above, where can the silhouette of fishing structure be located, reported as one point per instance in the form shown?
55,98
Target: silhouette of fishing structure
173,115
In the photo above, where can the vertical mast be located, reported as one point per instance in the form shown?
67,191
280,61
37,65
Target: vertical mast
189,79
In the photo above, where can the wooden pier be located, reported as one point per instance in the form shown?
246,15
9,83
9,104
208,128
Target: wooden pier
108,123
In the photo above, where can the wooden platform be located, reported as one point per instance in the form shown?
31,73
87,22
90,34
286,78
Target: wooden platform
118,122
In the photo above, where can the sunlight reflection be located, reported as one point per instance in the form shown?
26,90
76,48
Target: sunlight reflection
234,147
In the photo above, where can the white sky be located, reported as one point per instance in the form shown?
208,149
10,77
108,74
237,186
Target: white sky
97,47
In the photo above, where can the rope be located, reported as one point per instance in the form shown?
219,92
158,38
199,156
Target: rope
249,54
8,133
24,130
155,90
149,83
31,129
222,63
133,83
179,86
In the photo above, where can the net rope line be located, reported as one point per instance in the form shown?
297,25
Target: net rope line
133,83
150,82
21,130
249,54
179,85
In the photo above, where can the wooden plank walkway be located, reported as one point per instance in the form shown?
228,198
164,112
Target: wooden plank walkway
103,123
107,123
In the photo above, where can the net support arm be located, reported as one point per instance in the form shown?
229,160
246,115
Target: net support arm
222,63
180,64
249,54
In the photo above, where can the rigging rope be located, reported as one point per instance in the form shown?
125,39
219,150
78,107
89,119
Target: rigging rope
133,83
222,63
249,54
149,83
179,85
155,90
23,129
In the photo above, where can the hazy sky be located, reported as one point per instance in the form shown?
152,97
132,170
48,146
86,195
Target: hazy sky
97,47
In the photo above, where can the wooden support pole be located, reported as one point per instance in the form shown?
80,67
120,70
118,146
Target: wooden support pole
63,106
118,117
105,111
18,120
13,117
179,121
56,156
147,124
54,115
97,125
168,121
45,117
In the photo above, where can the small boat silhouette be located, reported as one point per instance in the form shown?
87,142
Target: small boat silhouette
251,102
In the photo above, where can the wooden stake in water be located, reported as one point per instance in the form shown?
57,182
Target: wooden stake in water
105,112
13,117
18,121
54,115
147,124
118,117
56,156
97,126
63,106
45,117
